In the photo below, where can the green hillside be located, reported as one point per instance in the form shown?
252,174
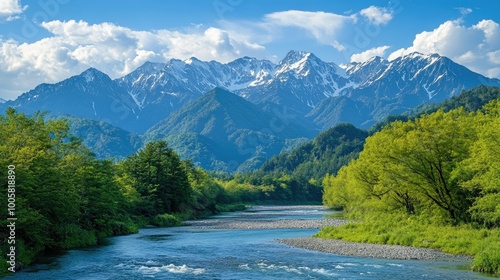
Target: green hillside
221,131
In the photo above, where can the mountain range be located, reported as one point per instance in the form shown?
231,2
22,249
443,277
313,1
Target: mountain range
335,147
223,131
210,110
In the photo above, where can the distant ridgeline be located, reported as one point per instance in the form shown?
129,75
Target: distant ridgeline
335,147
472,100
234,116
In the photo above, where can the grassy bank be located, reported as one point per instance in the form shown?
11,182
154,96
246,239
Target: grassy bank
482,244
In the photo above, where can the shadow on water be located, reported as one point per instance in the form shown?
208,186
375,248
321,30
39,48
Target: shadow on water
466,267
46,261
101,242
156,237
49,260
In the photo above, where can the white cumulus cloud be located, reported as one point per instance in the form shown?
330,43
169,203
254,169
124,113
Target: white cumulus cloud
364,56
476,47
326,28
377,15
323,26
77,45
10,9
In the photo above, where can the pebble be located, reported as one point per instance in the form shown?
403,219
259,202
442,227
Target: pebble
263,224
257,220
341,247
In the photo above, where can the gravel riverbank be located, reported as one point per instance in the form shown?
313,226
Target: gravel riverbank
340,247
267,217
267,224
270,217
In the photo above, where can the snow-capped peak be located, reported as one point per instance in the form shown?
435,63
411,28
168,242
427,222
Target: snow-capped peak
192,60
414,55
88,77
300,78
428,58
298,62
301,81
295,56
91,74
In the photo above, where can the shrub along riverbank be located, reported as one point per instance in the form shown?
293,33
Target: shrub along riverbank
430,182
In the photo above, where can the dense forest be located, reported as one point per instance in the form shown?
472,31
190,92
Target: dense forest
436,177
433,172
326,154
296,175
337,146
471,100
63,197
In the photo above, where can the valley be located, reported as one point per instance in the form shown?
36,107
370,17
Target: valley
235,116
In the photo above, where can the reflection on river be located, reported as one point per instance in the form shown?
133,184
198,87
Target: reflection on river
193,253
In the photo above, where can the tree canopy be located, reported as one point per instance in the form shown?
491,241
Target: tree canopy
444,165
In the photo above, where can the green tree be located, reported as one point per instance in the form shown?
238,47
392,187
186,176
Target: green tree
65,198
44,199
160,178
412,166
207,192
483,167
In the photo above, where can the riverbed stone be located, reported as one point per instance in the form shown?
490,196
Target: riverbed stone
257,220
341,247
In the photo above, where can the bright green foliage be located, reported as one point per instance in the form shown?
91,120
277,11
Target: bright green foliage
409,166
483,167
165,220
207,192
243,192
264,187
488,259
336,194
436,177
65,198
327,153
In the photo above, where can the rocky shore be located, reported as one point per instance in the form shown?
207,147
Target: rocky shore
263,224
340,247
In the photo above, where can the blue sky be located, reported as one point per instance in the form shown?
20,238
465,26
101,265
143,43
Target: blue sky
50,40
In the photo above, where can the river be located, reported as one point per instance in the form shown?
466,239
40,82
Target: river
192,253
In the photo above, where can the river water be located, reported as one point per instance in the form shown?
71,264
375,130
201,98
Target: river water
193,253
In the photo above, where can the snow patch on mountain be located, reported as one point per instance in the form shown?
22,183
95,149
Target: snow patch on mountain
299,83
